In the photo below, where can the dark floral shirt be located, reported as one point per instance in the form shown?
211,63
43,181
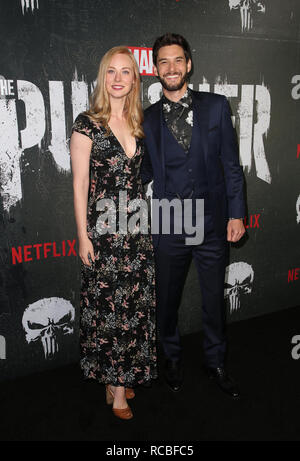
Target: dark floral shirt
179,118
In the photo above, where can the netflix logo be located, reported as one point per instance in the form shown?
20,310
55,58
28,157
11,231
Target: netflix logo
298,151
144,59
293,274
38,251
252,221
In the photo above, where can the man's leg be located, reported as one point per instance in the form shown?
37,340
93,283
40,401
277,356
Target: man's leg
172,261
211,258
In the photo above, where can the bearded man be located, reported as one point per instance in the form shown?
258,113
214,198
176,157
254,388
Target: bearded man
192,155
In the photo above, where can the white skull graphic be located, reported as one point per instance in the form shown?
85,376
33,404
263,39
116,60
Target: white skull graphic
247,8
27,4
238,280
47,320
298,210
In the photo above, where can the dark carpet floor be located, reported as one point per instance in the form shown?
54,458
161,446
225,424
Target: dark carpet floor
59,405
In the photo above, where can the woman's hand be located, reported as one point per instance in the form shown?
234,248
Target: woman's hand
86,248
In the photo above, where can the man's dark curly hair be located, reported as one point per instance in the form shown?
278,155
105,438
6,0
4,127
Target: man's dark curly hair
171,39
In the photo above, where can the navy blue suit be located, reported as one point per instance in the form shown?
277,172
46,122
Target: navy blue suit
211,171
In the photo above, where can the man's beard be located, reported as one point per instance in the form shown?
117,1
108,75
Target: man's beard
171,87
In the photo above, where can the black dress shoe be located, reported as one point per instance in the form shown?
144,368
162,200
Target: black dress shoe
174,374
223,380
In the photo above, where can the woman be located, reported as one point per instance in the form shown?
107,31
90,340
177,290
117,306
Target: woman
117,323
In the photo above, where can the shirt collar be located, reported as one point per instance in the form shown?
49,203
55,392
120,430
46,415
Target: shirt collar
185,101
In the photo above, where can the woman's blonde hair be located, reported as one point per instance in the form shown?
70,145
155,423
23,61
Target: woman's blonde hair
100,109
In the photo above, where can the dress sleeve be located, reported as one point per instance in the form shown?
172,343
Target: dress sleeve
84,126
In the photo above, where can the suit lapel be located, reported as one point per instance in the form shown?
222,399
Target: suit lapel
156,126
201,119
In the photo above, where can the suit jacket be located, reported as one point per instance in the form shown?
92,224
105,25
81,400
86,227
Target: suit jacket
218,146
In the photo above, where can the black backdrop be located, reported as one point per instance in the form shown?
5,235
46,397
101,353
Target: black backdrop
50,52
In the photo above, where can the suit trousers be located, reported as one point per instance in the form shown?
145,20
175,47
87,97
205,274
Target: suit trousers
172,261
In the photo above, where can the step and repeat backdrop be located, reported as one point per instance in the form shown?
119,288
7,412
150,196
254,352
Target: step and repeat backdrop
248,50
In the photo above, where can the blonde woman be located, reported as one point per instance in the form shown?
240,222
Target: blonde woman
117,306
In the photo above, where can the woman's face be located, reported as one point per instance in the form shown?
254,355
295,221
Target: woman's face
119,76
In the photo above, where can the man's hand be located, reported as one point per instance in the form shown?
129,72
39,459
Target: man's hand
235,230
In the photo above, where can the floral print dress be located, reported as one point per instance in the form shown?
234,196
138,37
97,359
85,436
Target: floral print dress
117,303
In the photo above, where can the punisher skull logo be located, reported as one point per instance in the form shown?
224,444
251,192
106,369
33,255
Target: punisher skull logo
298,210
247,9
47,321
238,280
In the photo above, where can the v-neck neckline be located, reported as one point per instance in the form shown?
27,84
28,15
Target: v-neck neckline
129,158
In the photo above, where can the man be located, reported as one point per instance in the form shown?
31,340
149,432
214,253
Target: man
192,154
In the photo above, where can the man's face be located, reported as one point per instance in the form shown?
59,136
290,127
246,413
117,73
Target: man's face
172,68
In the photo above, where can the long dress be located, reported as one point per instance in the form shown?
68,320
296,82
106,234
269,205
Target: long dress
117,301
